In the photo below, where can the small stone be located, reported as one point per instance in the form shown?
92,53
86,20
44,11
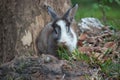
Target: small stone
47,59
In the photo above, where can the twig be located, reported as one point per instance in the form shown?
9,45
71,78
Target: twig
63,77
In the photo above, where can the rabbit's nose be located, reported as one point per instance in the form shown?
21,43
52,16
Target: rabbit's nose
63,42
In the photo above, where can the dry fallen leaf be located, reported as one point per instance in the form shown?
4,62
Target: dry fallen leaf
110,45
91,40
87,50
79,43
83,36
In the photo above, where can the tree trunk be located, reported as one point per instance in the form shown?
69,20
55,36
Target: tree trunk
20,23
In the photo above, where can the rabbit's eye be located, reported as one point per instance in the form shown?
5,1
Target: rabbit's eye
57,32
57,29
68,26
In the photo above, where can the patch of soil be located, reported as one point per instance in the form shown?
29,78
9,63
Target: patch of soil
45,67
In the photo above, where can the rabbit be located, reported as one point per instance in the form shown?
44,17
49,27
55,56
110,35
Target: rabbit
58,32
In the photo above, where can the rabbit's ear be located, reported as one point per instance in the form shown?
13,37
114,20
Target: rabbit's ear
52,13
70,14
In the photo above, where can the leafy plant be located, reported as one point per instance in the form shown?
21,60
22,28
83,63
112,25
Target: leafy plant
103,6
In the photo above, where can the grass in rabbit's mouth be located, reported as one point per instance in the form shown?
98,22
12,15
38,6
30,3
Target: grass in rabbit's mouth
63,53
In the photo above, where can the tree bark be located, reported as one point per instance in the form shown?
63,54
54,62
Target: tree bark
20,23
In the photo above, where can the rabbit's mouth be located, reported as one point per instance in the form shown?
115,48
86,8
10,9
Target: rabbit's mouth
63,45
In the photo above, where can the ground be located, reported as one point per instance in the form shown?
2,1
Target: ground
98,58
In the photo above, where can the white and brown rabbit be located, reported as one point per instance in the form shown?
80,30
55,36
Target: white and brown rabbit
58,32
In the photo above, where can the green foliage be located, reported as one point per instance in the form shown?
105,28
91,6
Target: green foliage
91,8
99,6
76,55
103,6
80,56
107,52
63,53
9,77
110,68
117,1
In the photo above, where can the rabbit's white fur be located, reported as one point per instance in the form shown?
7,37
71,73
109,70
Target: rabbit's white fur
69,40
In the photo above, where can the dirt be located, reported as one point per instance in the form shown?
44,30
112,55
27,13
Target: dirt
45,67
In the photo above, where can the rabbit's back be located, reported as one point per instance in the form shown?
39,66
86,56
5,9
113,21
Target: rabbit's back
45,42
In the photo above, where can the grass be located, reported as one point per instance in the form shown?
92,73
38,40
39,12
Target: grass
76,55
86,9
109,68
